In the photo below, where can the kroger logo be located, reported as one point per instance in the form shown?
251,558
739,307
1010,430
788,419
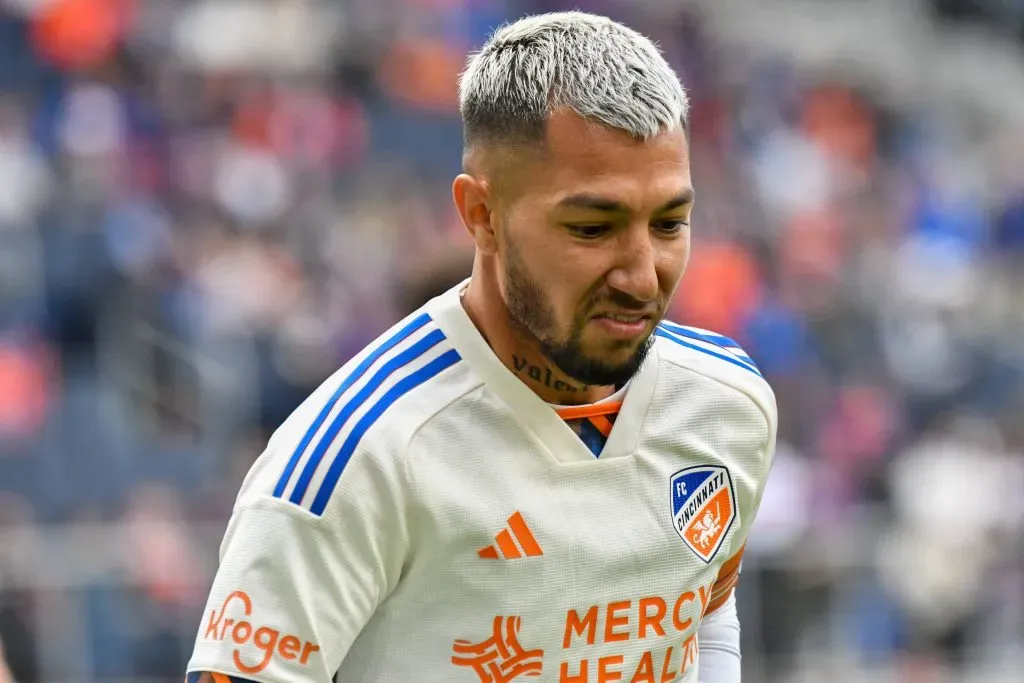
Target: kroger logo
257,644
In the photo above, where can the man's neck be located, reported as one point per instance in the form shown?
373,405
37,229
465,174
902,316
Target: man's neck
522,354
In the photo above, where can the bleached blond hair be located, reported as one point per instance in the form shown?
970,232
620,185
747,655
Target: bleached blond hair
596,67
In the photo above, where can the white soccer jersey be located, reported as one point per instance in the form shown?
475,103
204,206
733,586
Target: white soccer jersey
424,516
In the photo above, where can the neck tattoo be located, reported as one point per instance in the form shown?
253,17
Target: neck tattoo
542,375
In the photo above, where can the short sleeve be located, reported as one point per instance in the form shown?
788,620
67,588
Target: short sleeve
752,493
294,589
728,577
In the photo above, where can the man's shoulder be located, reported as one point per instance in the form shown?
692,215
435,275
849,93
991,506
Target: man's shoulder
713,400
372,404
715,360
412,357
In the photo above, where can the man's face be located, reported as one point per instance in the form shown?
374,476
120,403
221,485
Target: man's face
592,244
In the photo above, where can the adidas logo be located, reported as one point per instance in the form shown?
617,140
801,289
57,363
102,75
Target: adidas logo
505,546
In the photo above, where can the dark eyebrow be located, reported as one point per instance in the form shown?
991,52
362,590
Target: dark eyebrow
589,201
597,203
682,199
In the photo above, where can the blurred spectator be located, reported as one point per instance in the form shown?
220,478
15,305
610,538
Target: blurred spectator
433,277
207,207
956,495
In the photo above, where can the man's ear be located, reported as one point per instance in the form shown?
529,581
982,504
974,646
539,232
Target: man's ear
474,202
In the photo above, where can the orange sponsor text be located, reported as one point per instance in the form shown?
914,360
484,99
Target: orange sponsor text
668,620
668,624
267,642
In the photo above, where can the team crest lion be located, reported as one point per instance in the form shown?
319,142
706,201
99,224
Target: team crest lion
703,508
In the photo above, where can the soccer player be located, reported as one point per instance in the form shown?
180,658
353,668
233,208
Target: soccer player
534,476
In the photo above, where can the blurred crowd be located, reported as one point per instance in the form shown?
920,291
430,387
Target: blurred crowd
207,207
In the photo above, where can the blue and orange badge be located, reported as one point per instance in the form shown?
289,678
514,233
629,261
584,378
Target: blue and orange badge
703,508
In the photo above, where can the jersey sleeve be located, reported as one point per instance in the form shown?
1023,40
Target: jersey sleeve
752,488
719,638
296,584
728,577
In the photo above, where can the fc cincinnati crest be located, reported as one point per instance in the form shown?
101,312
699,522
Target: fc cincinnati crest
703,508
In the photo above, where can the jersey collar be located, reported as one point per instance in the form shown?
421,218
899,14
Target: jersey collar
528,408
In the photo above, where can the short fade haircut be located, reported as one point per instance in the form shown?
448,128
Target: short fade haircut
598,68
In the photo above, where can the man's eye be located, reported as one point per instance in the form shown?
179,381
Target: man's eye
591,231
672,226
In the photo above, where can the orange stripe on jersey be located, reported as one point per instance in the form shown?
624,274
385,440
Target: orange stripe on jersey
507,545
732,564
728,577
724,581
593,410
603,424
220,678
524,535
725,588
715,603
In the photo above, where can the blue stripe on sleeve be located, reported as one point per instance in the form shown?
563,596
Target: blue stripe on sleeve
354,377
665,334
373,384
718,340
404,386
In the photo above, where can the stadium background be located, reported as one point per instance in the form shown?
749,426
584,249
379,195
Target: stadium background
206,207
